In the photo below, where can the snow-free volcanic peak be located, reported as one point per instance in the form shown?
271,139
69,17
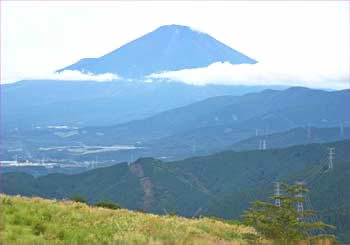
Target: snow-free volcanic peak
168,48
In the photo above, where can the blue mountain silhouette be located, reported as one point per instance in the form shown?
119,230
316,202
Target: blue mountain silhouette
168,48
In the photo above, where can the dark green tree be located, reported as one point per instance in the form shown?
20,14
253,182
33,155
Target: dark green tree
77,198
108,204
284,224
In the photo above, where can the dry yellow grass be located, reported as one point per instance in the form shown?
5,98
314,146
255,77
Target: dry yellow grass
41,221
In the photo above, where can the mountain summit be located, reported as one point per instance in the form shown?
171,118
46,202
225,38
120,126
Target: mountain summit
168,48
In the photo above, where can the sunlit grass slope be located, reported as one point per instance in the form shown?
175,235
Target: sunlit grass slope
41,221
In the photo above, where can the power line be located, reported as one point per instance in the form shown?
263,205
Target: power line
262,144
300,204
131,159
308,180
341,130
317,173
197,212
277,194
308,132
331,157
194,148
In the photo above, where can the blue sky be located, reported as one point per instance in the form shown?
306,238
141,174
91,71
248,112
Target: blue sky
300,43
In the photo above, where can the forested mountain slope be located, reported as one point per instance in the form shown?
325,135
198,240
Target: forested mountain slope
222,184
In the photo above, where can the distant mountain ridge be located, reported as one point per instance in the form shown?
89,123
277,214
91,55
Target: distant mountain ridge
168,48
88,103
272,110
201,128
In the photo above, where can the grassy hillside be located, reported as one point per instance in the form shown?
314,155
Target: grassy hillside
40,221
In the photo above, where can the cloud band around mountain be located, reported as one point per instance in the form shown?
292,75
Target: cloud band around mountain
68,75
323,77
81,76
260,74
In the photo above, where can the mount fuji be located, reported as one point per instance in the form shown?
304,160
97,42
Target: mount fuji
168,48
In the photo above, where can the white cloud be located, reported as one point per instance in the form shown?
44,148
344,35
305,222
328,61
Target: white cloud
68,75
148,80
262,74
78,76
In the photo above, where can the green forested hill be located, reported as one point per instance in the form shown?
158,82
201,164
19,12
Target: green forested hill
221,184
329,196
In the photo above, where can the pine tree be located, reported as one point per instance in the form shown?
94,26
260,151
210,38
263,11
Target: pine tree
284,224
